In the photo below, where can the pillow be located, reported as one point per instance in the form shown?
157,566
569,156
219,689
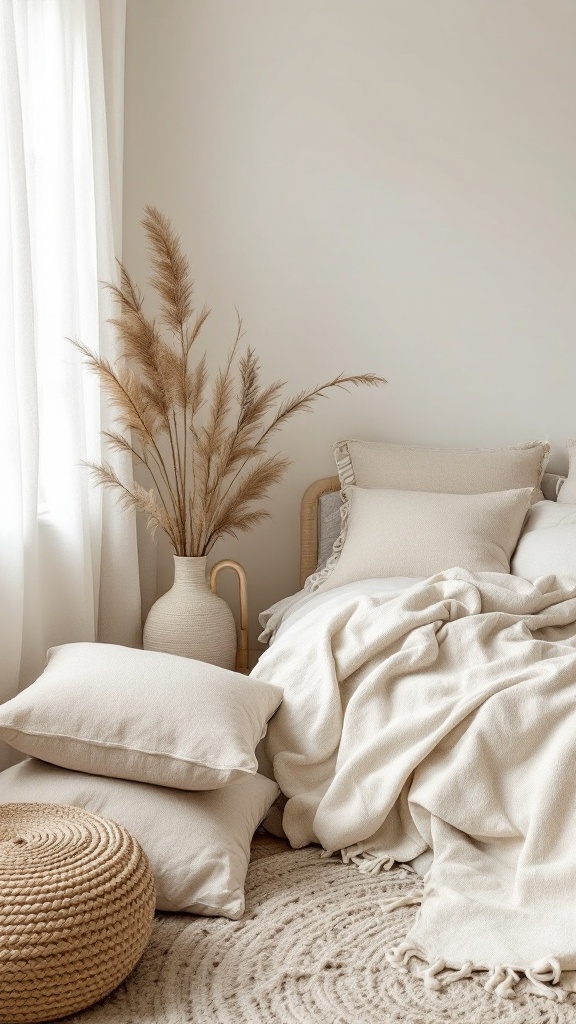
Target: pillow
330,504
447,470
141,715
551,485
420,533
567,493
198,844
439,470
547,546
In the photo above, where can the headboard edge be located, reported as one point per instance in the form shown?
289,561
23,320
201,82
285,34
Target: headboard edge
309,523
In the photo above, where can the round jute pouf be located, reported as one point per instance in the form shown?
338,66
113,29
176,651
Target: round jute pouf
76,909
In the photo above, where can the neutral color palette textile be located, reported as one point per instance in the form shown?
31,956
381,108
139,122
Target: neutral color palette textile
419,533
567,493
197,844
449,470
443,718
68,560
547,546
141,715
309,949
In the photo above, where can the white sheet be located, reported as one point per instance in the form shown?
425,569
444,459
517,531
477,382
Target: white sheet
290,610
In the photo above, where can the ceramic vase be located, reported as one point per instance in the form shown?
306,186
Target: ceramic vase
190,620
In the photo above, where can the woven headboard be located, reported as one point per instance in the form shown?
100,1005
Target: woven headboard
310,516
310,522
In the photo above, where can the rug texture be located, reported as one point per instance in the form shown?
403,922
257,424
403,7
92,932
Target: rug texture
309,949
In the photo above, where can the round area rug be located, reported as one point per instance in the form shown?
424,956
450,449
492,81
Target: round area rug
309,949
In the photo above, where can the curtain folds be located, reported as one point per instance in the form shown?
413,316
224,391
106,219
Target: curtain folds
68,557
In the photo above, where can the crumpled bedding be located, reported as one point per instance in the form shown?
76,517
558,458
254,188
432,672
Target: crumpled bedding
289,610
443,718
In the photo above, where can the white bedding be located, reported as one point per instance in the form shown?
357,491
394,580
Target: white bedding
290,610
441,716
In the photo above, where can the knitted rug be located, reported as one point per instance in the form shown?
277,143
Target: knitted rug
309,949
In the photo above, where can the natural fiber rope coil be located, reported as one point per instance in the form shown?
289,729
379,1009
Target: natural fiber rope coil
76,909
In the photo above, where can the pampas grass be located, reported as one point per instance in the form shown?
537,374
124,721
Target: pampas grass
204,446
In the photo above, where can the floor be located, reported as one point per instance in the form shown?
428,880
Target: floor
266,845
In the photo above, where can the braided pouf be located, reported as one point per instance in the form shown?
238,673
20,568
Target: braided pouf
76,909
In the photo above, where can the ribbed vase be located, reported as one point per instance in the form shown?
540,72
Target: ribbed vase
190,620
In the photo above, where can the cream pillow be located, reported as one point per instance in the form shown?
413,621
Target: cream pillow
419,533
141,715
448,470
198,844
330,504
547,546
567,492
377,464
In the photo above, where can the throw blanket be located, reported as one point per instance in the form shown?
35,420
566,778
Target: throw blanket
444,718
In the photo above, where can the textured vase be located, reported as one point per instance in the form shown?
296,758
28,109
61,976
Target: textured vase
190,620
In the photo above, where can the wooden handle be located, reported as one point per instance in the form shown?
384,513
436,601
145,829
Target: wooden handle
242,650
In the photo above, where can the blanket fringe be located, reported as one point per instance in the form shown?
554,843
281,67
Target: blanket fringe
430,974
368,861
411,899
502,982
399,957
544,975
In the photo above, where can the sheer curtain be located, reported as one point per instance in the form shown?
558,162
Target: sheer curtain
68,556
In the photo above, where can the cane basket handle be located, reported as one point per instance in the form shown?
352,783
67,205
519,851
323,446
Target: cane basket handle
242,648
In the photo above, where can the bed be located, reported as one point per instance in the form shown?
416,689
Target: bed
423,867
429,719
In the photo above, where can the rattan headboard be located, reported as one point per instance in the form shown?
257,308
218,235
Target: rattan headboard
309,523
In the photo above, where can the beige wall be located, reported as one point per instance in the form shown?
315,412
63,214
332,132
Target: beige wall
382,185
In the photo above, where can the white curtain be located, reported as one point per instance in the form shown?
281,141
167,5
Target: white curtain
68,556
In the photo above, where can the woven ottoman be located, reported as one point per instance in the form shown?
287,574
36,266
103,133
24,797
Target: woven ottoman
76,909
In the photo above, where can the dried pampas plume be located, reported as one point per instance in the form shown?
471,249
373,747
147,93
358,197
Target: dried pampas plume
204,447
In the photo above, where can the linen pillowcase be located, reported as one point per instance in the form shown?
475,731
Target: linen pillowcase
448,470
420,533
377,464
198,844
141,715
330,504
567,493
547,546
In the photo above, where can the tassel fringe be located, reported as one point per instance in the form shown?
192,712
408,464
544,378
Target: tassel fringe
544,976
411,899
368,861
502,982
399,957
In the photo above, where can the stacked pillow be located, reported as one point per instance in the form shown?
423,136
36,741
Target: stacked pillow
547,546
567,493
164,746
417,533
442,470
414,511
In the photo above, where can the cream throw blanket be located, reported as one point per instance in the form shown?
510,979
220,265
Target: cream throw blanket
444,717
